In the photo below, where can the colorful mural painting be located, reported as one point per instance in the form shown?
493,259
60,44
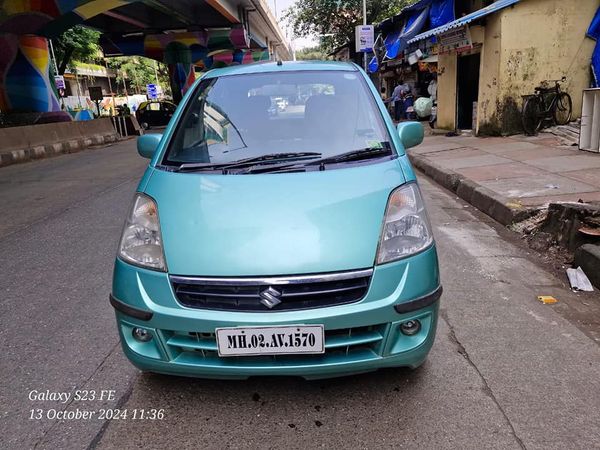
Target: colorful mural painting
25,25
182,77
82,115
164,47
25,83
229,58
50,18
183,74
181,51
25,75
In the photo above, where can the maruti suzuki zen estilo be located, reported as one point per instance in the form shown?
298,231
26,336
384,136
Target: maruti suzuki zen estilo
278,230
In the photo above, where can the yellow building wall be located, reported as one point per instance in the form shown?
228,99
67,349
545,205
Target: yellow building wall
532,41
489,76
539,39
446,91
447,73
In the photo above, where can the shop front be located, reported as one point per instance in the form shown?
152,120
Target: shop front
407,72
490,57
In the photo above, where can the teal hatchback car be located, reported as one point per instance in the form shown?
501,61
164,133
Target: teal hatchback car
278,230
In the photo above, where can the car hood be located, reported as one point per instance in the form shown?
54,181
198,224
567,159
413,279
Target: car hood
272,224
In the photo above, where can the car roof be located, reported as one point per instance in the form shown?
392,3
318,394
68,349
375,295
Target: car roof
284,66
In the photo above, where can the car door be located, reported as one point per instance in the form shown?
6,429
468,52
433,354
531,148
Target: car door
167,111
154,114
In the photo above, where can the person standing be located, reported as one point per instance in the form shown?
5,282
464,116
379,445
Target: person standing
432,90
398,98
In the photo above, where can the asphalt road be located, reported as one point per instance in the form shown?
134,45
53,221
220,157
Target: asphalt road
505,372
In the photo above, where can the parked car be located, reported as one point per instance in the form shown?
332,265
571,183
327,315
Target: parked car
155,114
261,245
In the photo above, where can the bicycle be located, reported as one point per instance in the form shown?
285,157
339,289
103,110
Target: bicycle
559,106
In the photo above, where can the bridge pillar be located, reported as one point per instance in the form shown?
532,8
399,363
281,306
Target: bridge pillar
182,76
25,83
178,57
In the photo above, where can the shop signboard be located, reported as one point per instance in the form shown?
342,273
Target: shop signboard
95,93
458,40
365,38
59,82
152,91
395,62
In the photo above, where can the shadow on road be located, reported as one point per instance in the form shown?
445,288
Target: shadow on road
395,378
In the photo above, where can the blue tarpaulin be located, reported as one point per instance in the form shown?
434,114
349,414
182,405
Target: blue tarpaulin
392,45
465,20
395,42
596,66
373,65
594,29
414,24
441,12
594,33
411,21
416,17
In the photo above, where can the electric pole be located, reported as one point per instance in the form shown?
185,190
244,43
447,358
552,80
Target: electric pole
364,5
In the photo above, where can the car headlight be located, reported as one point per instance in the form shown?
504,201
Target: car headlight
141,242
406,228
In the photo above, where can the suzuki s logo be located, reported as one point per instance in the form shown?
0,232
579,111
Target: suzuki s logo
270,297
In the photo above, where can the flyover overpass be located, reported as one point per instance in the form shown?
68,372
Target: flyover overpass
180,33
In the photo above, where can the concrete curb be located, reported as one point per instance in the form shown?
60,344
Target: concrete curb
494,205
47,151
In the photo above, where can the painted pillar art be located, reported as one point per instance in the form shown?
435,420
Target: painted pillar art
205,49
25,84
25,77
178,57
182,77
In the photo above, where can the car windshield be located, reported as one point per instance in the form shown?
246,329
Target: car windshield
231,118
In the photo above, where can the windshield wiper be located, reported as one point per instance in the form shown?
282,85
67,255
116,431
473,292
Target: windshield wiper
271,157
299,166
274,168
355,155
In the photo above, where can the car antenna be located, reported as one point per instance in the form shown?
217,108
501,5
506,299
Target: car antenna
279,62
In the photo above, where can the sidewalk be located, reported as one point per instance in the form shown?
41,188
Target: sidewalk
510,178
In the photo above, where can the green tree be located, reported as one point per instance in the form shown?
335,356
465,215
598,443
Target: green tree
334,20
76,44
139,71
311,53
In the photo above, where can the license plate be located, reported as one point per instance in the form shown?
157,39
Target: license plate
283,340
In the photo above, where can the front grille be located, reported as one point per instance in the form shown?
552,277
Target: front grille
248,294
347,342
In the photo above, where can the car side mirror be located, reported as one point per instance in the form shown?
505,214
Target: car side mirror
148,144
411,133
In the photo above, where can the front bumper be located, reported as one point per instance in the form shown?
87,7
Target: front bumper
359,337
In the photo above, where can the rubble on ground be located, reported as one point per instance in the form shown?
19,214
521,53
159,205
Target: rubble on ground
563,232
568,134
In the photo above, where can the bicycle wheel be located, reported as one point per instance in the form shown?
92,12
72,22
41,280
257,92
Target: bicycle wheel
531,115
563,108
